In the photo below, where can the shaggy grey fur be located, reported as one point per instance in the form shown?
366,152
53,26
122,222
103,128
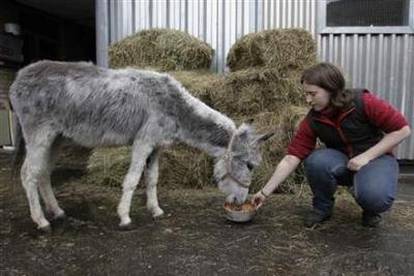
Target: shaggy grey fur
95,106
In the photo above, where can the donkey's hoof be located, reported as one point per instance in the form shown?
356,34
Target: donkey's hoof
127,227
60,218
60,221
45,229
157,212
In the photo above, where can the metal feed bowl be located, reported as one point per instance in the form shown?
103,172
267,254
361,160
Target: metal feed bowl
239,215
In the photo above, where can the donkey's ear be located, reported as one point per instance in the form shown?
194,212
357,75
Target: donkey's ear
244,132
264,137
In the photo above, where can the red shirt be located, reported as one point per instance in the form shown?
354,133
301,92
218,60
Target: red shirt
379,112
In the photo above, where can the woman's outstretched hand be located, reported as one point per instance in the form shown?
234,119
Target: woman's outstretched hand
258,199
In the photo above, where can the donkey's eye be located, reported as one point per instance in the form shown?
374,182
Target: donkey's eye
250,166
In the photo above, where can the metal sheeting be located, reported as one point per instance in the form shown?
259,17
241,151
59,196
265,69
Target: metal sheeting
380,62
101,27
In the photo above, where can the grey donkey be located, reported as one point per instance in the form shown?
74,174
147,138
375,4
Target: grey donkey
96,106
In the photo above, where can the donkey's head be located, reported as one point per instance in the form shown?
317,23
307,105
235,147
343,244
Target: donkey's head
233,171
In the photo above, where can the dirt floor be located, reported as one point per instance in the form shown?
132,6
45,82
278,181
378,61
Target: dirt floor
194,238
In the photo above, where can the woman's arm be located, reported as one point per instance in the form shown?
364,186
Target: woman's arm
385,145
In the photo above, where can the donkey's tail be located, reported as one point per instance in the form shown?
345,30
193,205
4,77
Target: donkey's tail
19,152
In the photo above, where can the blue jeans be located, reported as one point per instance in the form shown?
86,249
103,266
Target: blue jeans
374,185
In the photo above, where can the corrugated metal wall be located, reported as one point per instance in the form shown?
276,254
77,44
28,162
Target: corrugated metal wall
382,62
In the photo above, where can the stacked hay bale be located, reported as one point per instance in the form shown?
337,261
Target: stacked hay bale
283,50
161,49
263,84
70,157
251,91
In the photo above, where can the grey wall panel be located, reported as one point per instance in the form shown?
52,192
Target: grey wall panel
381,62
101,26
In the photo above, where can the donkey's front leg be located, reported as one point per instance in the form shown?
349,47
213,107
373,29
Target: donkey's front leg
140,153
151,179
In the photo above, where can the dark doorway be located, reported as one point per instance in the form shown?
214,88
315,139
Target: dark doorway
57,30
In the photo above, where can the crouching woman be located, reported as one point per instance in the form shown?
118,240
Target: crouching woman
359,131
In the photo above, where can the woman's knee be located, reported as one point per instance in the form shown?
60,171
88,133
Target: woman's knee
375,202
376,184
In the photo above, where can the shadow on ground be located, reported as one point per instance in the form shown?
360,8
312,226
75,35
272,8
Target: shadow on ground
194,238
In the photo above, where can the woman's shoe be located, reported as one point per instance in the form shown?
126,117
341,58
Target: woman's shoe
316,217
371,219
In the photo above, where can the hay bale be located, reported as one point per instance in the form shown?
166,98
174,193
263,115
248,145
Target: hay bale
252,91
199,83
180,166
279,49
293,115
69,156
107,166
164,49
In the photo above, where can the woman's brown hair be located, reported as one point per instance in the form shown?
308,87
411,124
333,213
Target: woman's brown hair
329,77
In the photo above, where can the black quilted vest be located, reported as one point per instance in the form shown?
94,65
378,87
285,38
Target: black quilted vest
351,133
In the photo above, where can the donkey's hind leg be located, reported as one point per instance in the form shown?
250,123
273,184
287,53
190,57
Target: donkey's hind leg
151,179
34,170
51,205
140,153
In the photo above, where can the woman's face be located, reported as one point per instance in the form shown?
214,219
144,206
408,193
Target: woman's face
316,96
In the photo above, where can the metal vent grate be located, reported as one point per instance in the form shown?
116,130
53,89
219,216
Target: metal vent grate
367,13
